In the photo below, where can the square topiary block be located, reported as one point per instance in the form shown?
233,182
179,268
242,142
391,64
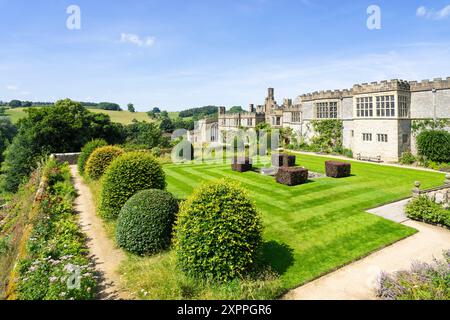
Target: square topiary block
292,176
241,165
283,160
335,169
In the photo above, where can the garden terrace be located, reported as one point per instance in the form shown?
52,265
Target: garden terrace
317,227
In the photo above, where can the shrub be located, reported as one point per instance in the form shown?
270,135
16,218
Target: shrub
87,151
347,153
423,282
145,222
407,158
424,209
127,175
218,232
292,176
435,145
241,164
335,169
100,160
283,160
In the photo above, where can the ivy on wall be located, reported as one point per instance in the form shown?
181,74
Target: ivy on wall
429,124
328,134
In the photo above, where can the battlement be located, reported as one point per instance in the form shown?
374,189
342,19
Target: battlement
383,86
322,95
428,85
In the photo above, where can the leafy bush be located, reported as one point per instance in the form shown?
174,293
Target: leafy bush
407,158
127,175
424,209
328,134
65,127
218,232
434,145
423,282
100,160
145,222
87,151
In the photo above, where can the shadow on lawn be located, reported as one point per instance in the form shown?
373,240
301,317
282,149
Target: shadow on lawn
277,255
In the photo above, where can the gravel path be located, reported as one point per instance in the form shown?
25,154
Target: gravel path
103,252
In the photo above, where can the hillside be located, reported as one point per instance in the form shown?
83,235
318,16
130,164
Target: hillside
123,117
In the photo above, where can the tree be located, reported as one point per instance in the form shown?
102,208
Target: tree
7,132
66,127
144,133
156,110
131,108
15,104
236,109
109,106
27,104
167,125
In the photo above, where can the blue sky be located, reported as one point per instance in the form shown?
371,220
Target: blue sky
179,54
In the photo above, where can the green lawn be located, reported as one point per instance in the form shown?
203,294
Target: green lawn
123,117
315,228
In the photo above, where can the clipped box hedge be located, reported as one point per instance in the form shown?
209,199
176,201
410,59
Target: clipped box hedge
336,169
241,165
292,176
283,160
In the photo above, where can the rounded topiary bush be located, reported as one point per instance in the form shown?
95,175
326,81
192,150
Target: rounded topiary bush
434,145
127,175
86,152
100,160
145,222
218,232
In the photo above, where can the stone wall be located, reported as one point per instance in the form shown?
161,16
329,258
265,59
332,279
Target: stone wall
440,195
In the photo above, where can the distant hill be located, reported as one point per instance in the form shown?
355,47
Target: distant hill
123,117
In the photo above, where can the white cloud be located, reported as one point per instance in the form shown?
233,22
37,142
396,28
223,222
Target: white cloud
12,88
444,13
421,11
424,12
137,40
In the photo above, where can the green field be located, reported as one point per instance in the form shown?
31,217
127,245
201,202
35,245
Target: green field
123,117
310,229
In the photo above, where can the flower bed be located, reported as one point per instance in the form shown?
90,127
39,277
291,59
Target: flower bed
422,282
53,261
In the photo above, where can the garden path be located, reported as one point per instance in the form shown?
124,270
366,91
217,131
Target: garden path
106,256
357,281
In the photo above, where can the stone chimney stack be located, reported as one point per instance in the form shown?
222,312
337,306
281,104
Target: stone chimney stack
271,93
222,110
251,108
287,103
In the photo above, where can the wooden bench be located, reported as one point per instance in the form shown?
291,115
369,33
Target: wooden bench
370,159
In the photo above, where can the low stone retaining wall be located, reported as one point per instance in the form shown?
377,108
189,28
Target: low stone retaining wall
71,158
440,195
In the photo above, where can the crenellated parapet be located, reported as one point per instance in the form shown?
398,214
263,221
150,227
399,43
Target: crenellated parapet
428,85
323,95
383,86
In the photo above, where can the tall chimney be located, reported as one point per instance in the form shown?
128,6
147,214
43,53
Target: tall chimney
271,93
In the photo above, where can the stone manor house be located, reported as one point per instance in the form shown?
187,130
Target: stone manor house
377,117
